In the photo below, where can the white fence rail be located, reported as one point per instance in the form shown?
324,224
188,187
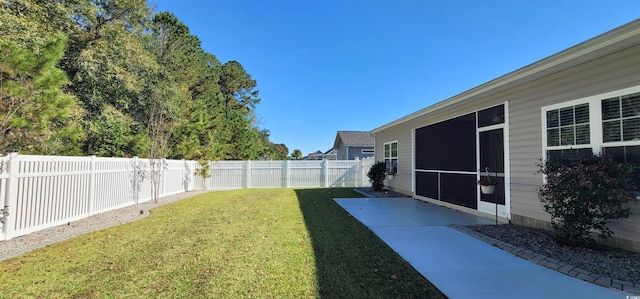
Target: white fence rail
289,174
38,192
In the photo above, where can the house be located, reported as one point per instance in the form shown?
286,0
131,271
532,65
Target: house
318,155
583,99
351,145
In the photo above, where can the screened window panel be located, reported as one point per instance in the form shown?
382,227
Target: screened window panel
631,105
392,165
611,131
448,145
391,157
582,114
427,184
567,136
582,134
631,129
566,116
624,154
491,116
553,119
627,154
553,137
568,126
610,109
554,155
621,118
568,153
459,189
633,155
492,150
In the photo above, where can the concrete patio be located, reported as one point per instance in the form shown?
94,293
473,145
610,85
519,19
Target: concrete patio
456,263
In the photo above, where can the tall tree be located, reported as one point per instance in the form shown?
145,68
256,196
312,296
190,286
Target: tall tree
107,65
238,88
30,23
137,83
36,116
193,74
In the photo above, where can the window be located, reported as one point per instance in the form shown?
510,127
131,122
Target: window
603,124
391,157
627,154
621,118
568,131
491,116
568,126
367,151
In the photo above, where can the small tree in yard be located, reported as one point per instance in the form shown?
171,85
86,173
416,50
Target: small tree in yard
376,175
583,194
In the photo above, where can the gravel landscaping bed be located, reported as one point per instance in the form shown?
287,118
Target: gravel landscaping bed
615,263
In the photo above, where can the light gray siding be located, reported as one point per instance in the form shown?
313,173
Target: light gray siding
403,179
341,152
525,99
613,72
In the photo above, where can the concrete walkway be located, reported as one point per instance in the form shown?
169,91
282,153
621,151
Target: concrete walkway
459,265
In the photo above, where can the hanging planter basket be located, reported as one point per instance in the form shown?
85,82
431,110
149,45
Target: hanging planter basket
487,189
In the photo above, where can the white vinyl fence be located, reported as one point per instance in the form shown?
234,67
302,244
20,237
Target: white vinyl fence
289,174
39,192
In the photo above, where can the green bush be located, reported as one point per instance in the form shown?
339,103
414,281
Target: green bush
583,194
376,174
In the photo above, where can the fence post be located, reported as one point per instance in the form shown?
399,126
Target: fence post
92,184
247,172
286,174
165,167
208,182
11,197
325,167
186,176
358,178
135,185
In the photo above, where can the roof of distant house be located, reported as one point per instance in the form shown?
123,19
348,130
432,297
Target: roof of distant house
354,138
319,154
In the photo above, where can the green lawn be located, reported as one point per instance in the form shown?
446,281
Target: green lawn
254,243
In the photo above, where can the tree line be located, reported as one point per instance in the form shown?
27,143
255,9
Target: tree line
115,78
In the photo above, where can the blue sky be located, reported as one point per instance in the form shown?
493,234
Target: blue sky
329,65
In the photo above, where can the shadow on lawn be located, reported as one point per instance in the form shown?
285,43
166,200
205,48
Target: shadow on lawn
351,261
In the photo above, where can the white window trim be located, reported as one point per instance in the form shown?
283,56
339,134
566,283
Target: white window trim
384,156
596,142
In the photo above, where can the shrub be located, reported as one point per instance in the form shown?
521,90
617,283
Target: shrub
583,194
376,175
204,169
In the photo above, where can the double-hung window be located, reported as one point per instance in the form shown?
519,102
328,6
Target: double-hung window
621,128
602,124
391,157
621,118
568,131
